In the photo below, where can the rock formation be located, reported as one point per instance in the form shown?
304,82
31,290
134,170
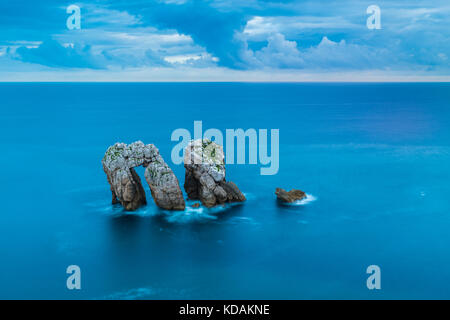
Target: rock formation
205,174
164,185
290,196
126,187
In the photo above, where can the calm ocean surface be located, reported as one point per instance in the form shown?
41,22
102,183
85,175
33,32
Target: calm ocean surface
375,157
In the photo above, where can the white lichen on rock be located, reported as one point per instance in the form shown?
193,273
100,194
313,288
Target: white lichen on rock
207,155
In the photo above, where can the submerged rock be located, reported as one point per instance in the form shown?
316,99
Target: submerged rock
126,187
205,174
290,196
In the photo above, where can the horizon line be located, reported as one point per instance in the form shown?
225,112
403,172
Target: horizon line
231,81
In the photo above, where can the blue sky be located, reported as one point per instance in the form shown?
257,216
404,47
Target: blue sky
224,40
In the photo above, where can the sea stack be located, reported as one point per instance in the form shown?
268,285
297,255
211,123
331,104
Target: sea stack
290,196
204,162
126,187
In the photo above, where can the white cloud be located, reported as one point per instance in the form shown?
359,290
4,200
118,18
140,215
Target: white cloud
258,27
279,53
95,14
283,53
442,56
183,58
130,47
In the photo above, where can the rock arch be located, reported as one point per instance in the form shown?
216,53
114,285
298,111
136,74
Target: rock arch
126,187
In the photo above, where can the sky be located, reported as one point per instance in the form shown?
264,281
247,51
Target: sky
224,40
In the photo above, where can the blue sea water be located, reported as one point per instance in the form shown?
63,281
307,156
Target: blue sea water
374,159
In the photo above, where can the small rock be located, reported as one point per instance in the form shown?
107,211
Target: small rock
290,196
196,205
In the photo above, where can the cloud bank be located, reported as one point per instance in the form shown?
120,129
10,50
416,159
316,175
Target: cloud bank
224,37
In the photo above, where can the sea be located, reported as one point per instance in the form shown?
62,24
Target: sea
373,158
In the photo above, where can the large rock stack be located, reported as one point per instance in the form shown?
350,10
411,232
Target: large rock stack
126,187
205,174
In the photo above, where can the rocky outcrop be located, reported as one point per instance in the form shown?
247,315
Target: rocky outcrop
164,185
126,187
205,174
290,196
